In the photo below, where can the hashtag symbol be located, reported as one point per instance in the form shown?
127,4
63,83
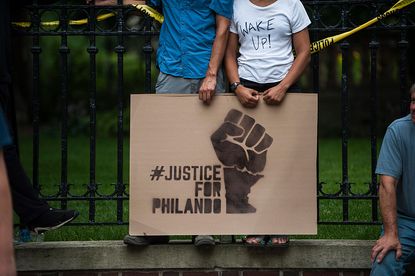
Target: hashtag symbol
157,173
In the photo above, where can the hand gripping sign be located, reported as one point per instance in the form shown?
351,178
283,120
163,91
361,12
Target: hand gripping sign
241,145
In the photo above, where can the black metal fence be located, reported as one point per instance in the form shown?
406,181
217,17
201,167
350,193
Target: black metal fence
389,41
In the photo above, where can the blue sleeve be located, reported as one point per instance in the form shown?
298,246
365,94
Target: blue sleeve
5,138
222,7
155,3
390,156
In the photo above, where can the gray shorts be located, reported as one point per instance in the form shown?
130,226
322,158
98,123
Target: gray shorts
168,84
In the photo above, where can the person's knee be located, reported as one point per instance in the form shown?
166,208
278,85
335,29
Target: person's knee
389,266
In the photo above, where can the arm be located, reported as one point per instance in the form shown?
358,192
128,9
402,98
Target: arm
301,40
246,96
7,264
390,240
207,89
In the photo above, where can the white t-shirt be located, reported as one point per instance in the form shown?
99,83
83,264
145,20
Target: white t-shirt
265,37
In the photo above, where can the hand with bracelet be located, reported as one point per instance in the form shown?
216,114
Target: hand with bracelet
247,97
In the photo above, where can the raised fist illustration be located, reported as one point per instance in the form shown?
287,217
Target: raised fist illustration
241,145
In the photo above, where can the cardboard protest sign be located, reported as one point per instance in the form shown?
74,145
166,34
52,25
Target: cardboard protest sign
222,169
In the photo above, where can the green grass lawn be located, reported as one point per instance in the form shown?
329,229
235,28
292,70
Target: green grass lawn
106,171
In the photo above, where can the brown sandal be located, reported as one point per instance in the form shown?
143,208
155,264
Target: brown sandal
255,241
275,241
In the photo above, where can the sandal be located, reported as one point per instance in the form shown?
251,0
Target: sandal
278,241
255,241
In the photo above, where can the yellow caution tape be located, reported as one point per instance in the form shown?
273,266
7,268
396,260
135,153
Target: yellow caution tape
326,42
56,22
150,12
85,21
143,8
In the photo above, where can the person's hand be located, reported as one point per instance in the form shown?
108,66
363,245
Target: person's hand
383,246
240,142
247,97
274,95
207,89
7,265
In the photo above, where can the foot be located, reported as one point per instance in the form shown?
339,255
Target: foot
51,220
255,240
279,241
204,240
145,240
